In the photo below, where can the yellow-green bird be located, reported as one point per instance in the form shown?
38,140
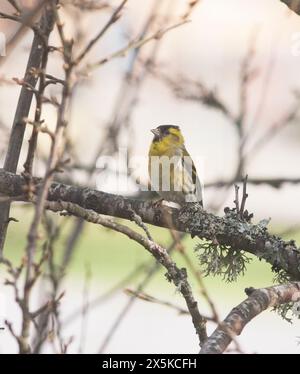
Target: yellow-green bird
171,169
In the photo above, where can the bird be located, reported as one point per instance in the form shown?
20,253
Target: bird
172,172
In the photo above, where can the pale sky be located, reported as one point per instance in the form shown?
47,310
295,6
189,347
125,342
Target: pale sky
209,49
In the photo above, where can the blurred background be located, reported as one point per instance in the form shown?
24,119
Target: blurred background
230,78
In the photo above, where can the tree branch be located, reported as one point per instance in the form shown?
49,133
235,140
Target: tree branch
227,231
114,17
293,5
258,301
18,128
272,182
174,274
134,44
26,20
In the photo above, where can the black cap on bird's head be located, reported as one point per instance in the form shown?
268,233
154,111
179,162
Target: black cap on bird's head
163,130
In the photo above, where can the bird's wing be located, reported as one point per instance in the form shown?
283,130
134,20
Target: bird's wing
191,177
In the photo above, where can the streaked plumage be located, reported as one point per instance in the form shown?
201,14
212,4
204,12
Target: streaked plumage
167,148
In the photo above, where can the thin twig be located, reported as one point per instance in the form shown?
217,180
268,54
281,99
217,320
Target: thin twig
133,44
151,271
176,275
114,17
244,197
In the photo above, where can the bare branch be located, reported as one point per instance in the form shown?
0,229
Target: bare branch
26,20
258,301
114,17
186,89
294,5
15,5
133,45
151,299
104,297
227,230
22,111
140,287
11,17
176,275
272,182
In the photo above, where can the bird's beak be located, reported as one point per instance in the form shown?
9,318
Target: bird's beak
155,132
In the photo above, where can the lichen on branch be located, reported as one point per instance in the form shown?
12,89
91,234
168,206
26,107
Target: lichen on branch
228,231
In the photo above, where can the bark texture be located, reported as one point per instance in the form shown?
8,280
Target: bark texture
228,230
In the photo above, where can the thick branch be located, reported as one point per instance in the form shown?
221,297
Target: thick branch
228,230
18,128
293,5
256,303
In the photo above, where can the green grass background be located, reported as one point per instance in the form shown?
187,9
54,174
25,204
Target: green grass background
111,256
